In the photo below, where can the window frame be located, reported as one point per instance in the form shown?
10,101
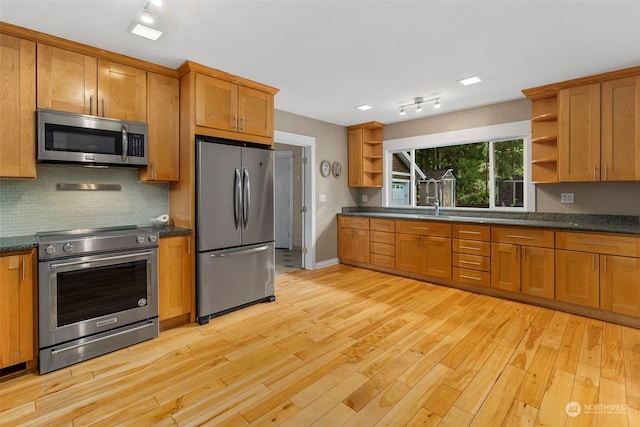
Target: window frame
491,134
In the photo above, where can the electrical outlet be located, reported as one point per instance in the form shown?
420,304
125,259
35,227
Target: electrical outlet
364,198
322,198
566,197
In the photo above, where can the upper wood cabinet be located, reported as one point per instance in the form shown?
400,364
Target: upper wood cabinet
365,154
232,107
163,104
79,83
17,106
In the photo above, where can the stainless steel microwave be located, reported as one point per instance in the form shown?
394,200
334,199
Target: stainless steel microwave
78,138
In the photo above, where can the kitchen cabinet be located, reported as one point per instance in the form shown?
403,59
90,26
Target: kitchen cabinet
353,239
472,254
424,248
79,83
382,242
176,276
16,308
522,260
163,157
17,103
544,139
232,107
365,154
599,270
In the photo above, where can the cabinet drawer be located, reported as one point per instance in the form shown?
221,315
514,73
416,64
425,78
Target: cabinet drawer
382,237
382,248
383,260
523,236
353,222
378,224
471,232
473,262
472,247
424,228
602,243
472,277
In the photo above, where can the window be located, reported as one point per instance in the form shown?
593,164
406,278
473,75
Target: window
478,174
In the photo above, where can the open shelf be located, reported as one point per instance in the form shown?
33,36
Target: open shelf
544,139
545,117
544,161
547,138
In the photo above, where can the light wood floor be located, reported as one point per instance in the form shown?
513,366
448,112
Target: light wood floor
347,346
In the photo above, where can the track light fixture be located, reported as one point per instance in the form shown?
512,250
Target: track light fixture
419,101
146,16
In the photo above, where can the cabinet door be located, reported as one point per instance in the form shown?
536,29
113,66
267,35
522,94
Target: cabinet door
353,245
577,278
16,309
216,103
537,271
619,280
355,157
410,254
620,132
505,267
176,273
122,92
67,81
579,133
438,256
17,105
163,130
255,111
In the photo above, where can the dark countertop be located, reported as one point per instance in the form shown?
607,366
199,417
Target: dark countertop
25,243
626,224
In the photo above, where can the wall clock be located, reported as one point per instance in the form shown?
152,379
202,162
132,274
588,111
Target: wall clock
325,168
337,169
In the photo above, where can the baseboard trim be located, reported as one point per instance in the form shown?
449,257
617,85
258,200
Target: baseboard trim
327,263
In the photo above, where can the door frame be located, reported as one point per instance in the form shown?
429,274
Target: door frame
288,155
309,218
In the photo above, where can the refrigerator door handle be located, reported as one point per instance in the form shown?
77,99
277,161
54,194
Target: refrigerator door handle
244,252
246,200
237,198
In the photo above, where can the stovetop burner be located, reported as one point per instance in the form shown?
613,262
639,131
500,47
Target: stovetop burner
66,243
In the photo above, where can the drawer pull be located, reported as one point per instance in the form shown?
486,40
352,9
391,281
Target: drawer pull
469,232
464,276
613,245
515,236
470,248
420,228
469,262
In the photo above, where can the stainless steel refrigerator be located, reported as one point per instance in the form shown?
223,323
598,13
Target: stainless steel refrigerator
235,264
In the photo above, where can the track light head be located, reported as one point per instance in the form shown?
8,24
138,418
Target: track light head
146,16
402,112
437,103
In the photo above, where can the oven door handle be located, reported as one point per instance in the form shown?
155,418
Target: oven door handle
102,260
137,328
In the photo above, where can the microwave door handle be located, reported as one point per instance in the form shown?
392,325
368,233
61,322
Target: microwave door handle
125,144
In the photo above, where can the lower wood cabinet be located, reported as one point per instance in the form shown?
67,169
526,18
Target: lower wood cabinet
17,307
424,248
176,276
353,239
578,278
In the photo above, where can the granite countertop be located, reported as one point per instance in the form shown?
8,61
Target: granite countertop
577,222
28,242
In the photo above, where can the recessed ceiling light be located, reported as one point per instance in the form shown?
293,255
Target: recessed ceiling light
146,32
364,107
470,80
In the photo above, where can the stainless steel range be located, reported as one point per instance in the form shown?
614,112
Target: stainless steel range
98,292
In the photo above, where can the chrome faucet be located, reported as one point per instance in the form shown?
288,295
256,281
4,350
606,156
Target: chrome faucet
436,205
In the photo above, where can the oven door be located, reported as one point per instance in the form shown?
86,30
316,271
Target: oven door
88,295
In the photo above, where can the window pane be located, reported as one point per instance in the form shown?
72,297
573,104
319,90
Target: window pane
401,179
456,175
509,173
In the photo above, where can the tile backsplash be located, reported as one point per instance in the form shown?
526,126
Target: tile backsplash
29,206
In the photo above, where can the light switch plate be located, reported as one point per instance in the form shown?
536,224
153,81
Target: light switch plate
566,197
322,198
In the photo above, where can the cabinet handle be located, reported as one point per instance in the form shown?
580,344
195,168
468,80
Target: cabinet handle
91,105
464,276
468,232
605,171
594,172
152,172
524,253
189,245
235,122
469,262
515,252
242,121
515,236
605,263
420,228
103,112
24,266
613,245
470,248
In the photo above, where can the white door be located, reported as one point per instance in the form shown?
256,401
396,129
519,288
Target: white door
284,199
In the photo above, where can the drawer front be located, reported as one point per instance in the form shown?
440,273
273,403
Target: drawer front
523,236
471,232
472,247
472,277
353,222
382,248
382,237
602,243
424,228
383,260
378,224
474,262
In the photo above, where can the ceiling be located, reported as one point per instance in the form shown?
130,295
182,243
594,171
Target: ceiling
327,57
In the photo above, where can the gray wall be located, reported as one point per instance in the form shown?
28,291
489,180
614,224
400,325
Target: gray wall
331,144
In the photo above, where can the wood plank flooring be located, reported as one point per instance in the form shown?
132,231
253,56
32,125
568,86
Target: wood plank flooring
348,346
